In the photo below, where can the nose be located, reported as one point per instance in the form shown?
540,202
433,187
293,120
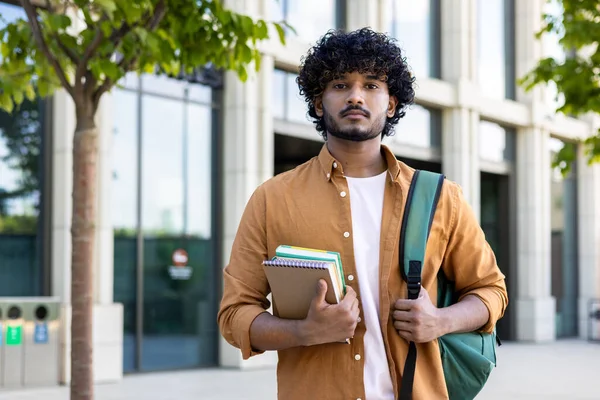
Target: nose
355,96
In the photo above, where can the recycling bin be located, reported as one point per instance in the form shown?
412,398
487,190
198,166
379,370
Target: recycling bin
41,342
11,367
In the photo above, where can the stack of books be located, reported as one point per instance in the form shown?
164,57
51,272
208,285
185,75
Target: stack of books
293,275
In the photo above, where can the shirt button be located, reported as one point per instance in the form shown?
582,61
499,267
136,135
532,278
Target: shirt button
346,234
343,194
350,277
357,357
334,165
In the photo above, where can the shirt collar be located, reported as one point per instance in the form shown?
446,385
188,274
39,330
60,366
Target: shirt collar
329,163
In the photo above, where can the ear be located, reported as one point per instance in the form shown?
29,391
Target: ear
391,110
318,106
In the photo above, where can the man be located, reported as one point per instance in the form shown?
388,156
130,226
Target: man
350,199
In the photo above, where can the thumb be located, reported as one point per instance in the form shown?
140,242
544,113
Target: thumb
321,291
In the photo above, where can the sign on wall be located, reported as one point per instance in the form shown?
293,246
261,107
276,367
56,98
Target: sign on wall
180,270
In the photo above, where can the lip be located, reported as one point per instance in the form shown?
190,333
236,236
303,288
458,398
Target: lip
355,114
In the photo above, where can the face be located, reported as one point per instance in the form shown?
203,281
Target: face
355,107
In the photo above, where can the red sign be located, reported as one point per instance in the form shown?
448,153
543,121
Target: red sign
180,258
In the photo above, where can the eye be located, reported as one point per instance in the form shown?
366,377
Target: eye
339,86
372,86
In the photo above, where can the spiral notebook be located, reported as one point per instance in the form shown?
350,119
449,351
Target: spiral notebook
293,284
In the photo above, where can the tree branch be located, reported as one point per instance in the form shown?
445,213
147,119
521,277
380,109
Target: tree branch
154,20
89,51
39,38
68,52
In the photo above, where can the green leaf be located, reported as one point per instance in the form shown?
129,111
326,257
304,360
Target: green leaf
242,73
280,32
30,92
6,103
108,5
18,97
59,22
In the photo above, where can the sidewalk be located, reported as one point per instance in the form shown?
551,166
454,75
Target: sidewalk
561,370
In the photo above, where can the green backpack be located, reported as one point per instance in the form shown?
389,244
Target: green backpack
467,358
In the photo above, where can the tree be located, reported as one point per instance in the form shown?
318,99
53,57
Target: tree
577,77
85,47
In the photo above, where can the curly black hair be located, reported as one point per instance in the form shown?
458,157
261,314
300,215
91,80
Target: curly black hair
363,51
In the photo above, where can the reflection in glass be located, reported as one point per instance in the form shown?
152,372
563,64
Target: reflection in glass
552,48
410,22
491,47
564,261
295,104
176,199
308,24
124,214
162,165
124,155
496,143
414,129
21,144
278,94
163,85
197,219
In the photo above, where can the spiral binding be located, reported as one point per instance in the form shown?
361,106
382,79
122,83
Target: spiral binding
295,263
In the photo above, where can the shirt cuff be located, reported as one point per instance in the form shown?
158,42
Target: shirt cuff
493,301
247,315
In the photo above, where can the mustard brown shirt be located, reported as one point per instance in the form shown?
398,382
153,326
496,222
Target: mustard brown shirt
309,206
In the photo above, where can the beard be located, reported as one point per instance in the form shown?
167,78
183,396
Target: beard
354,133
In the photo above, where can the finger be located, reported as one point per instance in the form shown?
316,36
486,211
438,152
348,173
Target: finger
406,335
321,291
403,316
350,295
403,326
423,294
403,304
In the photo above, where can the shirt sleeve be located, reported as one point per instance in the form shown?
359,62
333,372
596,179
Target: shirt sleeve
470,262
245,286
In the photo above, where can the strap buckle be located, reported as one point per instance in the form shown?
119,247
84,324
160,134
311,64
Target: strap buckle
413,279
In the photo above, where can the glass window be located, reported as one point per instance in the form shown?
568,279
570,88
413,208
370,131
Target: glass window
287,103
564,261
308,24
198,204
162,165
278,94
21,199
493,45
496,143
415,25
419,128
163,85
552,48
176,214
296,107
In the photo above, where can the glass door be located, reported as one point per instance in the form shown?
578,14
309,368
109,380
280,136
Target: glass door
165,258
496,220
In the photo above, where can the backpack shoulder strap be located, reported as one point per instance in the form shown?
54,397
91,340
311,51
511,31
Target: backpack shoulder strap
421,203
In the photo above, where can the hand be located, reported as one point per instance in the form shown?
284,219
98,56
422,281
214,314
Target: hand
417,320
328,323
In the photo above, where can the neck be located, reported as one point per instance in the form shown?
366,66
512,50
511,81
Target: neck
358,159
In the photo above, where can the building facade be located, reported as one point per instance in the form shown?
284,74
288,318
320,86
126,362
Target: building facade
180,158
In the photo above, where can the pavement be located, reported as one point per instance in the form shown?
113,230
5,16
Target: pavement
566,369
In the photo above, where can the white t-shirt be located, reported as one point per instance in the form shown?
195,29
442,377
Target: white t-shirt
366,203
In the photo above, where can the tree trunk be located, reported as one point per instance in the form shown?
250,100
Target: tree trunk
85,154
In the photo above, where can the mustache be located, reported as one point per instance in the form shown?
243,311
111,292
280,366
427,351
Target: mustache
355,108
